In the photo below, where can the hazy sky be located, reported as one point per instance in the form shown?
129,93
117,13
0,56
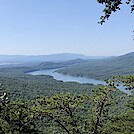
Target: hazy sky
40,27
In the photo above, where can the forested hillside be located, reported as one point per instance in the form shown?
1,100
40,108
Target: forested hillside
23,86
102,69
53,65
44,44
41,105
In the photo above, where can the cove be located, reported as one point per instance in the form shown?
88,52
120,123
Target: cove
67,78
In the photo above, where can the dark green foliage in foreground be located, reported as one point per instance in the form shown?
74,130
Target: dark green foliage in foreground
35,105
17,117
123,122
71,113
66,112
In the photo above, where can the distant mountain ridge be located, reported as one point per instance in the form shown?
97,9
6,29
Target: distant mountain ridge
79,65
55,65
49,58
101,69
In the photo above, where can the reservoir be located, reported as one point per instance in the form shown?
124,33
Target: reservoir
67,78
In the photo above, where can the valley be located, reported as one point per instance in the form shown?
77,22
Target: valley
66,67
102,69
48,89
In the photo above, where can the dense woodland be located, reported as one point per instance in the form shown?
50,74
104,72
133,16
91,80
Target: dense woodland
102,69
41,105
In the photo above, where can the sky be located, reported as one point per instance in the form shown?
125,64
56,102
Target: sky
42,27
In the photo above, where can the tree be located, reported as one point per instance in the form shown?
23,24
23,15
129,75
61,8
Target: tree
64,112
123,122
113,6
16,117
102,99
79,114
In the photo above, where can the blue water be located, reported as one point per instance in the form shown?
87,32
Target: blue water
67,78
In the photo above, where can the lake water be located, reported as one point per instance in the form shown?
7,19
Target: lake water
67,78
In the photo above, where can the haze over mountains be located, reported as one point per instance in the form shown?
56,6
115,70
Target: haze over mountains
101,69
75,64
50,58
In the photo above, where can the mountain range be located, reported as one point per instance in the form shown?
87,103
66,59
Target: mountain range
47,58
75,64
104,68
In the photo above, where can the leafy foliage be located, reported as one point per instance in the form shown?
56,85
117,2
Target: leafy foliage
113,6
64,110
16,118
93,109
